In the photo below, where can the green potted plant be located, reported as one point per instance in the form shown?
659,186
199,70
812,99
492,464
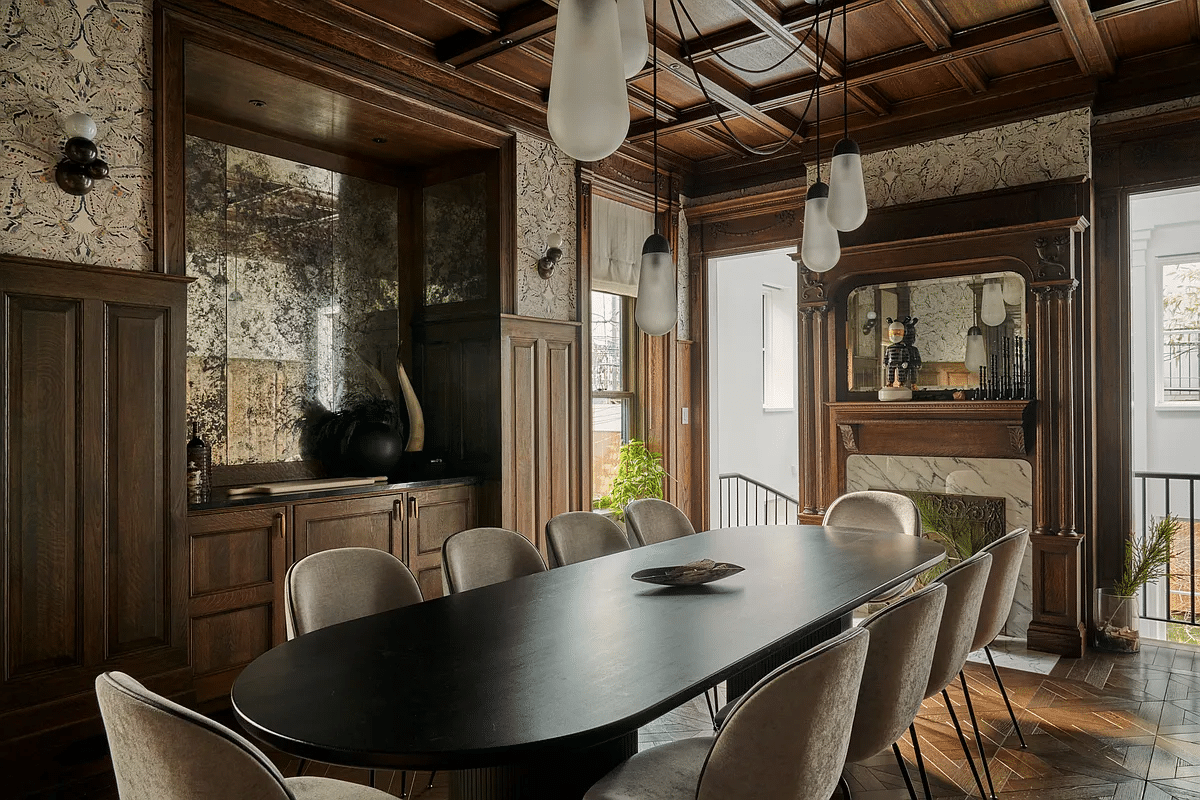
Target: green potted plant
640,474
1146,559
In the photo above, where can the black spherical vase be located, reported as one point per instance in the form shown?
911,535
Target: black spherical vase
372,448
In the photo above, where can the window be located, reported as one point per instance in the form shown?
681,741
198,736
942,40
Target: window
778,358
1179,363
612,385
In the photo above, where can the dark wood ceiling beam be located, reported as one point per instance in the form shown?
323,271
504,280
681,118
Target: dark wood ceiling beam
764,15
468,13
1107,9
1083,35
926,21
969,75
524,23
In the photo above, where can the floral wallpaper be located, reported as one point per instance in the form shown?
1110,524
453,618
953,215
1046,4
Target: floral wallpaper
683,328
1146,111
294,300
59,57
546,204
1033,150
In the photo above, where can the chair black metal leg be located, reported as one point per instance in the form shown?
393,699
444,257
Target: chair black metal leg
431,776
1004,694
912,793
300,769
404,782
962,740
987,773
844,785
371,778
912,731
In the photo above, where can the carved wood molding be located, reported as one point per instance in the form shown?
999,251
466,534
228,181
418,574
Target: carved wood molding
1016,440
985,513
849,441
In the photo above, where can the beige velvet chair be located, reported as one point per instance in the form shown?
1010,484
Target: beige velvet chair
482,556
653,521
163,751
342,584
877,511
900,656
346,583
1007,553
786,737
582,535
964,593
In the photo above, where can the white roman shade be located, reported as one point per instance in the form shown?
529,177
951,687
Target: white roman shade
618,233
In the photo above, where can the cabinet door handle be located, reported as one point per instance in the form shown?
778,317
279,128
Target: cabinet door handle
398,510
281,523
414,507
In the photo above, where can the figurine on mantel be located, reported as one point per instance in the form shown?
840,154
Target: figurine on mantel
901,360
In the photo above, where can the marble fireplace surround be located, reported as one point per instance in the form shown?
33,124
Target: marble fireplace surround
1011,479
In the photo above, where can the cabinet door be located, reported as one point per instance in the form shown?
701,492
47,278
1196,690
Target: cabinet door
434,514
376,521
235,589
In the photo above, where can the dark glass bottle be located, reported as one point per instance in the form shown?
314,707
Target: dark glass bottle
199,469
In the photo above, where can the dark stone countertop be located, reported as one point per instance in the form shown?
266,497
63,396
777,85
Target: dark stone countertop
222,501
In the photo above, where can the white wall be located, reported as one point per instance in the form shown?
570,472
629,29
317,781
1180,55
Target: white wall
745,438
1162,224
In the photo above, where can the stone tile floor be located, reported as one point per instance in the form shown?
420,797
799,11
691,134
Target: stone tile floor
1104,726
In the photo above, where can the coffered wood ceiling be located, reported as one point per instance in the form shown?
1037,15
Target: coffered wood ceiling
913,69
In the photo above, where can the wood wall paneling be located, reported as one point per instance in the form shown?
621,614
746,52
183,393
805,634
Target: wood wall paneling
376,521
433,515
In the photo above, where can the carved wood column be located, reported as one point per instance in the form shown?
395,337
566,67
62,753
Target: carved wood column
814,362
1059,601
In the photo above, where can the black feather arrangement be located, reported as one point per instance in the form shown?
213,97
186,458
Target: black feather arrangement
363,437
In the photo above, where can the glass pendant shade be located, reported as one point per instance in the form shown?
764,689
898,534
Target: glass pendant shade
656,309
1012,290
80,124
976,356
635,43
993,312
588,110
847,192
819,246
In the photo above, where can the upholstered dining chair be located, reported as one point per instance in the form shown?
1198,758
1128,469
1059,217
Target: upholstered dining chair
163,751
964,584
1007,553
653,521
877,511
899,658
577,536
786,737
345,583
482,556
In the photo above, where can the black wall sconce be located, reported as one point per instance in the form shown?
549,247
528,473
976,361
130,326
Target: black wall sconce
872,318
76,173
548,262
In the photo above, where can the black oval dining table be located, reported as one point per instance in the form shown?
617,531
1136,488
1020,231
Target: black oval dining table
536,686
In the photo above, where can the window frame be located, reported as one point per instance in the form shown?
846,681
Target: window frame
627,395
1161,403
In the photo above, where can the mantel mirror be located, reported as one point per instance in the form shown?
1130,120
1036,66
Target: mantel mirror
945,310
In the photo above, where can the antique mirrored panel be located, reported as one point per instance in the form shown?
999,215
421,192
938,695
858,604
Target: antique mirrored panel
295,298
455,221
946,311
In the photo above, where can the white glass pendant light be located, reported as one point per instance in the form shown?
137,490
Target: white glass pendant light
588,110
657,306
976,356
819,246
656,309
1012,290
993,311
847,207
635,44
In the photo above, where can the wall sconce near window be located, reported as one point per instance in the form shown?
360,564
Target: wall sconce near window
548,262
82,166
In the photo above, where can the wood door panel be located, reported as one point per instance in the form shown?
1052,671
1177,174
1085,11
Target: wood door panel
522,436
232,638
136,381
359,522
235,550
433,516
44,566
561,439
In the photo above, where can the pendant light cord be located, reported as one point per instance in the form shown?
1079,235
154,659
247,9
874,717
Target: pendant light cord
845,79
822,48
749,70
654,24
817,90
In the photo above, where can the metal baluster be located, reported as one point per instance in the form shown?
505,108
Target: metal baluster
1145,607
1191,546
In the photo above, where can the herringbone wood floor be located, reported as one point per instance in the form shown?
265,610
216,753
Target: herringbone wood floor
1104,726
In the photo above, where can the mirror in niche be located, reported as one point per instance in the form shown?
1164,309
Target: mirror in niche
295,298
455,222
946,310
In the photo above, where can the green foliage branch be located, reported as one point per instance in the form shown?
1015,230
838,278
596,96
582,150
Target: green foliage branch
1147,558
640,474
961,538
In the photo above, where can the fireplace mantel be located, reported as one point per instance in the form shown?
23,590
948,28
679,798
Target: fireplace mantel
968,429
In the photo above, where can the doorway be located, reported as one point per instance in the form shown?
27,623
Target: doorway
752,389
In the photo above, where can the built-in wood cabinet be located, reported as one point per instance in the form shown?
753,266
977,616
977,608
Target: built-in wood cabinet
239,557
92,503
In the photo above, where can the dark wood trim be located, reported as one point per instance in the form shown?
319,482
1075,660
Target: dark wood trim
1082,33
